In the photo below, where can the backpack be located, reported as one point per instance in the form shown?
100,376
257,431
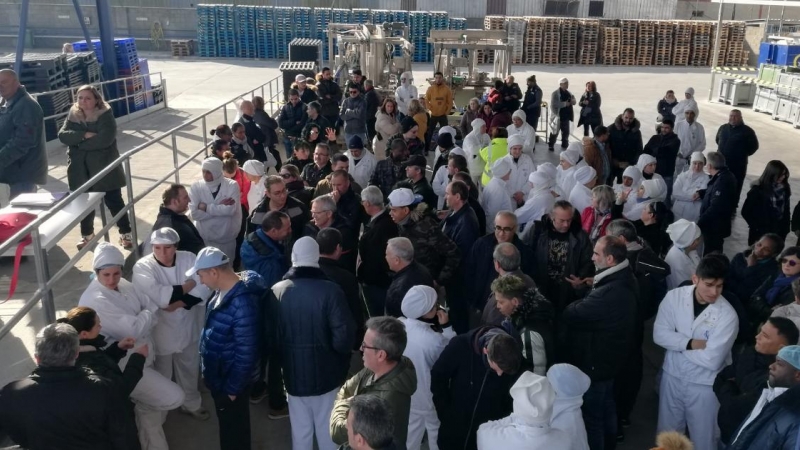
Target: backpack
10,224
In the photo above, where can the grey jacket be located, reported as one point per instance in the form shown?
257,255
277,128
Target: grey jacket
555,101
354,115
23,156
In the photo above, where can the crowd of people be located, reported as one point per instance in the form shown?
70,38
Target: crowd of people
494,303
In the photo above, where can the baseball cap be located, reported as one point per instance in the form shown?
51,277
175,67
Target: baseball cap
208,258
417,160
402,197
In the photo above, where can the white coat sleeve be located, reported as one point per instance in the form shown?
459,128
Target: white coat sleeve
701,142
440,181
718,345
664,328
145,284
680,189
120,325
226,210
194,200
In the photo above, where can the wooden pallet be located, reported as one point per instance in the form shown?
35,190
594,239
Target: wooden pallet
533,40
182,47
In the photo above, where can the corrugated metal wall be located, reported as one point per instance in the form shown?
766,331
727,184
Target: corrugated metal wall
525,7
636,9
496,7
388,4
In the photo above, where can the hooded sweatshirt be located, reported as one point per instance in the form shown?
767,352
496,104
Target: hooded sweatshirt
440,99
570,385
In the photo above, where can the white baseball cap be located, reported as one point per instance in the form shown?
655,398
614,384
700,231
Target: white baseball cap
208,258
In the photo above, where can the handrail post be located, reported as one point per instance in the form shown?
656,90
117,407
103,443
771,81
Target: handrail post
225,113
42,276
175,158
205,135
164,92
131,211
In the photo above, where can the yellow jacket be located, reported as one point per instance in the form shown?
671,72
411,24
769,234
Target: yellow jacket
496,150
440,100
422,122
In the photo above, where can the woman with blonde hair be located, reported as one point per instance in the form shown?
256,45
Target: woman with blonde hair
471,113
420,115
90,132
386,125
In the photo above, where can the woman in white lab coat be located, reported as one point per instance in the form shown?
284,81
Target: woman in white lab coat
124,313
682,257
495,197
566,170
180,303
649,191
254,171
647,165
541,200
519,126
685,192
215,207
423,349
581,194
522,167
551,172
472,145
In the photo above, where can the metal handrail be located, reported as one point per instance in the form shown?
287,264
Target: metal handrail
271,91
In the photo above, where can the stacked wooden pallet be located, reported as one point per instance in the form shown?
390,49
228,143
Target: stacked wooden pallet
735,49
490,23
682,44
183,47
701,43
610,37
645,42
627,48
569,41
723,46
589,41
534,34
665,35
551,41
516,37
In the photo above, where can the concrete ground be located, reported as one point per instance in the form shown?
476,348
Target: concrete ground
197,85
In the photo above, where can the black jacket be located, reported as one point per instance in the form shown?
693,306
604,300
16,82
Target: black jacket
312,330
415,274
762,217
737,144
744,280
289,118
347,281
600,328
423,189
374,270
776,428
466,392
579,260
626,144
65,408
268,126
254,134
592,115
297,212
432,248
350,209
719,202
299,163
373,100
299,191
758,309
462,228
320,121
313,174
480,214
191,241
308,95
479,271
665,149
349,240
533,318
651,273
532,105
330,106
665,109
738,388
654,235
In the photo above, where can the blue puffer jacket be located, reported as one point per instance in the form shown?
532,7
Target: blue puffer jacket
313,331
229,345
265,256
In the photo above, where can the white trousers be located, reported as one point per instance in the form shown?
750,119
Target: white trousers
418,423
154,395
681,403
311,416
227,247
186,368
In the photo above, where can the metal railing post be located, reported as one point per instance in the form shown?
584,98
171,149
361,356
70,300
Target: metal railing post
175,158
262,91
132,211
225,113
42,276
205,135
164,92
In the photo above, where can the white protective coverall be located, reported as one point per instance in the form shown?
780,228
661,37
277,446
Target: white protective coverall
258,188
693,139
423,349
581,196
219,224
405,92
442,178
526,131
361,169
686,396
565,178
540,200
123,313
679,110
495,196
570,384
528,427
472,145
521,170
177,333
682,265
686,185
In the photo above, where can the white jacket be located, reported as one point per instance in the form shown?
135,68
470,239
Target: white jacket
537,205
404,94
423,349
218,223
675,325
679,110
566,179
686,185
123,313
439,184
362,171
526,131
494,199
693,138
472,145
681,266
520,171
515,433
181,328
256,193
580,197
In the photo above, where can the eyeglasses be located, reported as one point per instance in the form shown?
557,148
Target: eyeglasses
791,262
286,175
314,130
314,213
503,229
365,346
353,92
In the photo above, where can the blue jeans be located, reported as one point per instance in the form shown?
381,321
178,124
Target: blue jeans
600,415
22,188
287,143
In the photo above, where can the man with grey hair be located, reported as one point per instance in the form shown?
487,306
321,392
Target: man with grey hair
407,273
61,405
324,215
23,157
373,272
507,261
370,425
719,203
386,373
561,103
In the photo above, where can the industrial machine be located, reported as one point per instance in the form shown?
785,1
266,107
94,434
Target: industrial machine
381,51
461,71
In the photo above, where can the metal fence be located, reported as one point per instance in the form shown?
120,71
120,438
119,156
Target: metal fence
271,91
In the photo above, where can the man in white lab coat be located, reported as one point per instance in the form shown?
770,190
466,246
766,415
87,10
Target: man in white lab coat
428,330
180,300
215,204
697,327
362,162
693,139
495,197
522,167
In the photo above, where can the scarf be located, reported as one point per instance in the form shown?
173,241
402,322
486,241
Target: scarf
600,218
778,199
777,286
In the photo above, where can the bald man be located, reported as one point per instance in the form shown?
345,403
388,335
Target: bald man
23,158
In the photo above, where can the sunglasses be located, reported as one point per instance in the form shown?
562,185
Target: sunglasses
286,175
791,262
